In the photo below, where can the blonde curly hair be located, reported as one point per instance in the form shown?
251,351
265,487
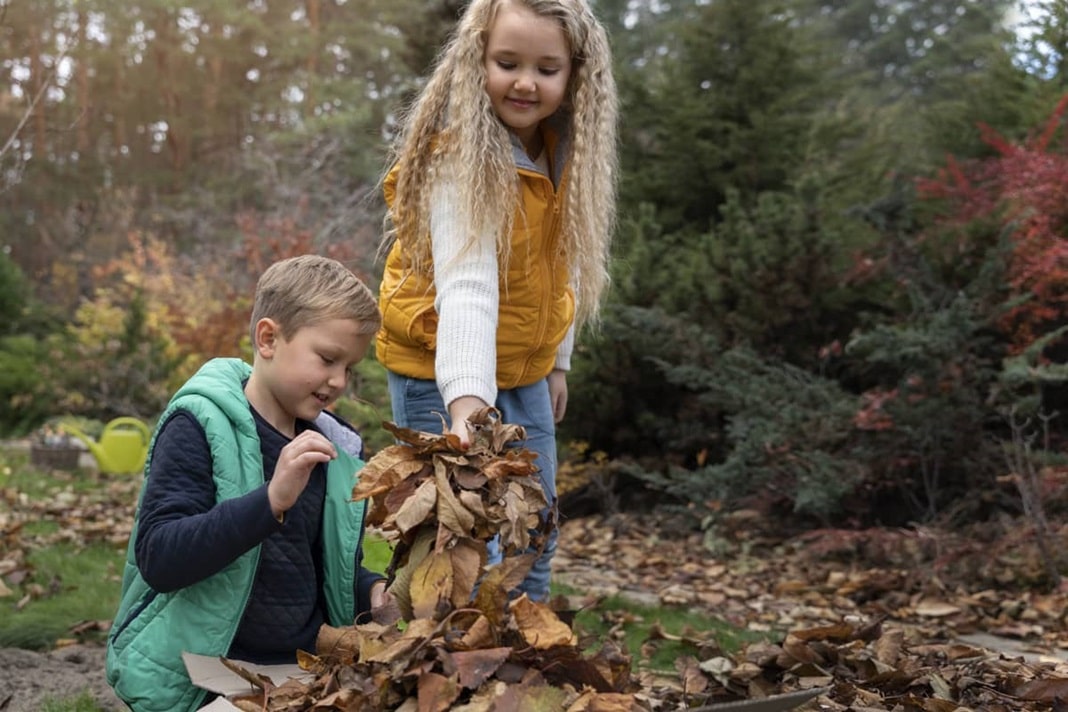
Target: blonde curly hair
452,130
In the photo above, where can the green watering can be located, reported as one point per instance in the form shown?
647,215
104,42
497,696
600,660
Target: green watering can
122,447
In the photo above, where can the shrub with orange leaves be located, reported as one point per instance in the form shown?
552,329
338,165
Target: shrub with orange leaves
1021,191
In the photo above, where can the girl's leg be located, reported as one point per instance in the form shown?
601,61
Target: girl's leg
416,403
530,407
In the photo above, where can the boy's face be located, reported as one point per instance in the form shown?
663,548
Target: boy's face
300,376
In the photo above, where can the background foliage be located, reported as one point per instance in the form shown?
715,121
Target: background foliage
839,266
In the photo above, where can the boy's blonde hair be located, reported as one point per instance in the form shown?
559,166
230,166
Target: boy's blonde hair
309,289
452,131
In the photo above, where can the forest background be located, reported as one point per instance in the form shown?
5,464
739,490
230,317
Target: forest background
840,272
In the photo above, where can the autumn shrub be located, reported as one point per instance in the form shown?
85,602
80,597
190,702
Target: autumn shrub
1016,196
114,359
926,417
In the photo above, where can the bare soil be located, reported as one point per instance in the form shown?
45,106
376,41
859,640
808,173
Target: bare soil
29,679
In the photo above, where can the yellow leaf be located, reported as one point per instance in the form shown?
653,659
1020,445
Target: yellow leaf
432,586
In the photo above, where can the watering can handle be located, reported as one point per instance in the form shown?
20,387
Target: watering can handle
129,421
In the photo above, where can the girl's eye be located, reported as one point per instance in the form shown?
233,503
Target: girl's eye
327,360
549,72
506,65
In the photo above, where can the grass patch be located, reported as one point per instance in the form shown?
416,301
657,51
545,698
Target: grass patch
69,584
82,703
55,577
377,552
630,624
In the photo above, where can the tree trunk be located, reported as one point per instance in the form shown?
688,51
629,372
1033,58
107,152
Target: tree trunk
37,72
311,63
81,83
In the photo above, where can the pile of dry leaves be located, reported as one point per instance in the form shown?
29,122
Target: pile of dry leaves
461,638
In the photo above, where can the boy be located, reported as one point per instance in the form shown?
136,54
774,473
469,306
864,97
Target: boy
246,538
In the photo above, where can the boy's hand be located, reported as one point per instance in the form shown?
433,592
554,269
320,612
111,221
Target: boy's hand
294,467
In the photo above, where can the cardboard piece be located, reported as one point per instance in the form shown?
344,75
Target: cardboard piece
208,672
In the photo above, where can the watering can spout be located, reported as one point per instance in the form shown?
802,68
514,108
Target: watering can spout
122,447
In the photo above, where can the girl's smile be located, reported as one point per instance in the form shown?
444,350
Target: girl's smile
528,67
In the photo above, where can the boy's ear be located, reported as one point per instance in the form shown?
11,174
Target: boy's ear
267,336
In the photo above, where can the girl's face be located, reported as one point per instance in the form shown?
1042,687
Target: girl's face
528,65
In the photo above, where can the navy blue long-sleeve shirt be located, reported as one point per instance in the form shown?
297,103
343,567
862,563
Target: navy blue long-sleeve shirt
184,536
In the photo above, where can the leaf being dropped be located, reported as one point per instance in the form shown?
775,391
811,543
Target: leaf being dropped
468,559
432,586
385,470
339,642
488,433
425,443
539,625
513,464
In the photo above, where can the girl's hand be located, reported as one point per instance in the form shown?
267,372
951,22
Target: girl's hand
384,608
294,467
558,393
380,596
459,411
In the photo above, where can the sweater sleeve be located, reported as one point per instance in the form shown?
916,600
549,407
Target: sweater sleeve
468,298
565,349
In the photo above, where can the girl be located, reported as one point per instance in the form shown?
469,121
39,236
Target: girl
502,201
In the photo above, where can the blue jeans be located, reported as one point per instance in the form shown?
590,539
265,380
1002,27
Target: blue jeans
417,403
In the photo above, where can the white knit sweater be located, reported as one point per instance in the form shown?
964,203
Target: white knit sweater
467,303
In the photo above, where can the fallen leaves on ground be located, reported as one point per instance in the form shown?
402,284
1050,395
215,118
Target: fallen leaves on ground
883,617
81,516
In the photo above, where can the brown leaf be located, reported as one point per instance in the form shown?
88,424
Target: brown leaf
436,692
591,701
539,625
480,635
887,649
338,641
416,508
1044,690
468,559
385,470
476,666
450,511
693,680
